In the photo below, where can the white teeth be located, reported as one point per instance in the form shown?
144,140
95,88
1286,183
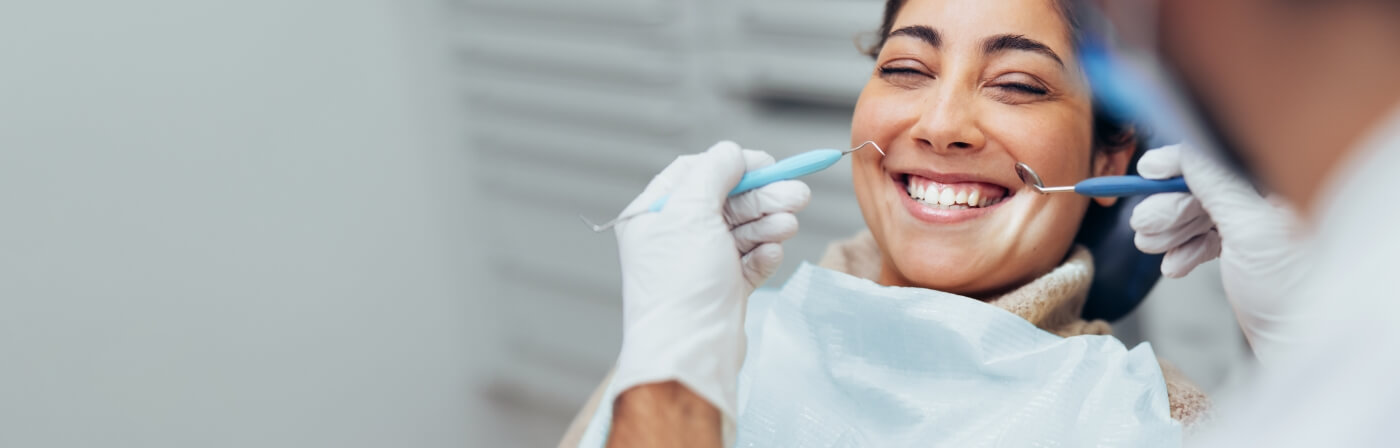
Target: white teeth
946,198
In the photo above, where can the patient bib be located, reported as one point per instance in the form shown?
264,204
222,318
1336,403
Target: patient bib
839,361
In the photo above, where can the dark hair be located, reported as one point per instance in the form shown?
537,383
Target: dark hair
1110,133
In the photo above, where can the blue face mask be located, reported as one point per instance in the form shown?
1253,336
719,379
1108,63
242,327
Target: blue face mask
836,360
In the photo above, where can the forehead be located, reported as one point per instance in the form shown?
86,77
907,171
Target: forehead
962,22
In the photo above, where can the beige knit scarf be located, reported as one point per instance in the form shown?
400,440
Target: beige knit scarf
1052,302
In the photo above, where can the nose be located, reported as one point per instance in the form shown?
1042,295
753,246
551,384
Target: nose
948,123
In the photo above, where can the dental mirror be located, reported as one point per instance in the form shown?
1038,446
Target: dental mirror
1032,180
1104,186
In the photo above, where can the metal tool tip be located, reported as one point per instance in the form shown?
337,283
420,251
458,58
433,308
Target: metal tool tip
867,142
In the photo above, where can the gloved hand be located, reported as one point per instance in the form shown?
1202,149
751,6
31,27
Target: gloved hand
688,270
1260,261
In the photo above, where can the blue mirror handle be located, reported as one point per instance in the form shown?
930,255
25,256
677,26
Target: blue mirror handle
790,168
1119,186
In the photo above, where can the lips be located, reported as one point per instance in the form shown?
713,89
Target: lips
945,198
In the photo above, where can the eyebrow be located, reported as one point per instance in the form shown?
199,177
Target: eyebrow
920,32
1006,42
994,44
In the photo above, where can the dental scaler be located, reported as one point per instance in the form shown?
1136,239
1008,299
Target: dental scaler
790,168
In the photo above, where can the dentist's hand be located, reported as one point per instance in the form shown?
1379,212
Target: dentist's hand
1223,216
688,270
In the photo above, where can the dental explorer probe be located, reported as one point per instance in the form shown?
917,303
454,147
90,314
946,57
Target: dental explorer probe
1105,186
790,168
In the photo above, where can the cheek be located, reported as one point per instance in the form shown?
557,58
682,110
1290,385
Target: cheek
867,179
1059,220
1056,145
864,173
880,116
1047,236
882,113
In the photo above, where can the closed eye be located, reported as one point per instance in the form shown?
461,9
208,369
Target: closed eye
905,77
900,71
1023,88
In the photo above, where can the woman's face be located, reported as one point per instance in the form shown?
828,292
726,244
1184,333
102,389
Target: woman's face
962,90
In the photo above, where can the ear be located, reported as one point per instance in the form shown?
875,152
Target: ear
1112,161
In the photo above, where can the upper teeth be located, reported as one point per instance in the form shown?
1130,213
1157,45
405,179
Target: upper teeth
949,197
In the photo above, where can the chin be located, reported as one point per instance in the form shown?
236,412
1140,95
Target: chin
958,268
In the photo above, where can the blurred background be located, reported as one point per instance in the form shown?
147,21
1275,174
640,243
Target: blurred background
353,223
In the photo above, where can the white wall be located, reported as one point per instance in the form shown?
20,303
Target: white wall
232,223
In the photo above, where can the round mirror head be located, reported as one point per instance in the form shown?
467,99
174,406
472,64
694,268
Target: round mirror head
1029,177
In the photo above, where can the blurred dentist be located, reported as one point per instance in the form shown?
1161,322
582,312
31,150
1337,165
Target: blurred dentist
1303,99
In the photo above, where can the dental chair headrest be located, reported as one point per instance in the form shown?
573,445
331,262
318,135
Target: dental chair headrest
1123,275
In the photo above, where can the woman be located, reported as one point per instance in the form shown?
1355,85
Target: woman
961,91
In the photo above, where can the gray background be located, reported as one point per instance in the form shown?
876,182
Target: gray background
352,223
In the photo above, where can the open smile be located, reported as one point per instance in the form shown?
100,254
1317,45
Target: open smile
948,198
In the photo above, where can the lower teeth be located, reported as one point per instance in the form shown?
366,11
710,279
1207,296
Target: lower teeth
939,205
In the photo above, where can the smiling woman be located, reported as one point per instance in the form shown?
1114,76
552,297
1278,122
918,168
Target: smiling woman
961,92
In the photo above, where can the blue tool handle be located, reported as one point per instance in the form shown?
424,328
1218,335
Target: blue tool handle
790,168
1119,186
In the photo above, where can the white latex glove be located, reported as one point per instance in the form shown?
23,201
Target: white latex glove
1223,216
688,270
